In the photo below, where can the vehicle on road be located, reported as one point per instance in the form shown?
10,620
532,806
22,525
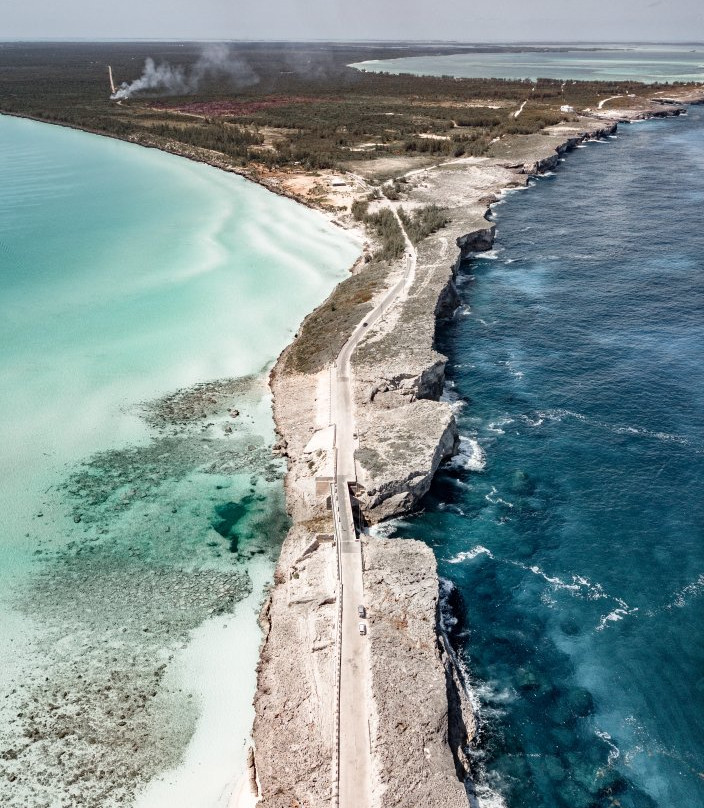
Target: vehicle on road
361,611
362,628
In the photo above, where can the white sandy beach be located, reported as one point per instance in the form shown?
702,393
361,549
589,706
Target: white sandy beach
219,668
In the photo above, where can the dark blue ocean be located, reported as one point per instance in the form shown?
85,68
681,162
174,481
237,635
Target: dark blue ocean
572,528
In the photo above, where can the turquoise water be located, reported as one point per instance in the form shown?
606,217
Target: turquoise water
126,275
646,63
570,532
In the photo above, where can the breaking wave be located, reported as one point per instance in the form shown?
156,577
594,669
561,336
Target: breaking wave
470,456
495,500
385,530
614,751
452,397
559,414
468,555
497,426
684,595
578,586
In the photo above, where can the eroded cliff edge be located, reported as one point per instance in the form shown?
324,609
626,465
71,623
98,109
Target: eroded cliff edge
421,722
410,677
422,719
405,429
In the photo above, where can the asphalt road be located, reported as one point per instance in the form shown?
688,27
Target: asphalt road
355,764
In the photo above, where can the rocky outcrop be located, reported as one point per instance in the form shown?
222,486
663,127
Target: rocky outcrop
658,108
551,160
402,449
432,380
416,751
293,726
478,241
448,301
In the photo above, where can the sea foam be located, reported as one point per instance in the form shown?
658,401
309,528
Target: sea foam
470,455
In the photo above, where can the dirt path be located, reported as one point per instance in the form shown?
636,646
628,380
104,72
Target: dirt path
603,101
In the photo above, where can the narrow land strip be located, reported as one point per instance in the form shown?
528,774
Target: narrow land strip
354,745
405,720
401,734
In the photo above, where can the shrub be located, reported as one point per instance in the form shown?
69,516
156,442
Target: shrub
423,221
359,209
387,229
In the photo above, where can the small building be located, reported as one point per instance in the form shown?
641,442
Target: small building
566,108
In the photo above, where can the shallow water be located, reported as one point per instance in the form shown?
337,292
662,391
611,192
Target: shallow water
131,521
572,525
646,63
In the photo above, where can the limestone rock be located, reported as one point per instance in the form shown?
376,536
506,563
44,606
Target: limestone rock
401,451
410,685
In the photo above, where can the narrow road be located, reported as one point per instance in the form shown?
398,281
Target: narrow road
603,101
355,764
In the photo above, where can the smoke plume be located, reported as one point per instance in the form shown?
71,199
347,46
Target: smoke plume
215,62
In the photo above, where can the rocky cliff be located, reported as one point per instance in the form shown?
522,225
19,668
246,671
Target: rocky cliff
293,729
421,720
405,432
411,746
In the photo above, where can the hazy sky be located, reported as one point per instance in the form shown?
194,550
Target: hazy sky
464,20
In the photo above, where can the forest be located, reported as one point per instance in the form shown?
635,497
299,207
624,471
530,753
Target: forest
282,105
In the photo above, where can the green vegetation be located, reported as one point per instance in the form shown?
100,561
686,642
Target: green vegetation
392,190
359,209
371,460
386,227
301,107
421,222
231,140
325,331
532,120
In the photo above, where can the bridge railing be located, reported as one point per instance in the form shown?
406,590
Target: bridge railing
337,529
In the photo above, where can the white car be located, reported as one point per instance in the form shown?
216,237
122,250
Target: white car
362,628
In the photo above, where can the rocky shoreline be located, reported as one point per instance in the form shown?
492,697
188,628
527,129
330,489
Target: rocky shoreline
422,723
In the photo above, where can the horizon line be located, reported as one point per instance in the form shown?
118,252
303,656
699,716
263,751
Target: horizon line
323,40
